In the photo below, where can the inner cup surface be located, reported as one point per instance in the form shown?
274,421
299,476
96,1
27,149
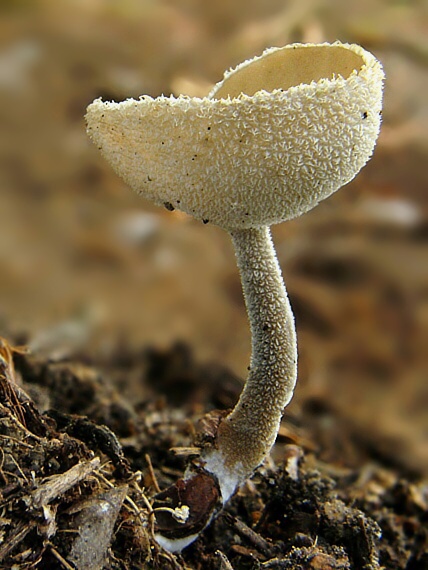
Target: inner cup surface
288,67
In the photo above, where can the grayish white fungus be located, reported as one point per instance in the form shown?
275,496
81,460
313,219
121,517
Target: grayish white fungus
277,135
281,132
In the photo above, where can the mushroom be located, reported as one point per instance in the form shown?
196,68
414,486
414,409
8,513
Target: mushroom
278,134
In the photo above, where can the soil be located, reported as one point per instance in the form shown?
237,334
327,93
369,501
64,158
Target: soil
298,512
123,325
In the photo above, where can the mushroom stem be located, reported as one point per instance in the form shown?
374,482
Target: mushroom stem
247,434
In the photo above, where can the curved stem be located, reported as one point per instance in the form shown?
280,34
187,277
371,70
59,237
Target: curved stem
247,434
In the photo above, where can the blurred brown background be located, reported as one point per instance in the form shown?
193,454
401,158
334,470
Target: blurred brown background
87,264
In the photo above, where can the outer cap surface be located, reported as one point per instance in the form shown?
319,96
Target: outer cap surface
277,135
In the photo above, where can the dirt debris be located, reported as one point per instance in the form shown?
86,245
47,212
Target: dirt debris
64,477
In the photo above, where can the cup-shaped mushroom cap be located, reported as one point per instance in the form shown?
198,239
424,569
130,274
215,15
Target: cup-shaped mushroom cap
280,133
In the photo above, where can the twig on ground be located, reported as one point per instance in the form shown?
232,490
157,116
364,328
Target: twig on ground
58,484
152,473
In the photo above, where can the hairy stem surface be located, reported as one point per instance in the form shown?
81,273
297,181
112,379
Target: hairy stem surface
246,436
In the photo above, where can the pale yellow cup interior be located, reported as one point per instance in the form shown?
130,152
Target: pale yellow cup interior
288,67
